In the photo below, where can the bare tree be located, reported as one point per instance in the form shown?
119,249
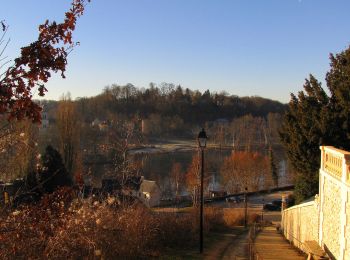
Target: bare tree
68,130
122,136
177,177
193,180
245,170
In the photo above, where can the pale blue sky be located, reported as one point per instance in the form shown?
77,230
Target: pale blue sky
245,47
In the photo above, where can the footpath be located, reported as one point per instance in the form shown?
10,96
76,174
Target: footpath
270,244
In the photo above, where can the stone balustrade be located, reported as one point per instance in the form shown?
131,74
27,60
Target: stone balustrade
336,163
326,219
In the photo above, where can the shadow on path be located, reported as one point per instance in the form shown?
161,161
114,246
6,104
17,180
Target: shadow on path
233,245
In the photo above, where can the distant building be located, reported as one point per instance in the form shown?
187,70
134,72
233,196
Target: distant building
44,118
217,193
222,121
102,125
96,122
146,191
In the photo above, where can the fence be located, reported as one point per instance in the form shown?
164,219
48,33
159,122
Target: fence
253,231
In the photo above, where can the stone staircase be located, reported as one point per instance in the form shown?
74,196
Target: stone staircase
270,244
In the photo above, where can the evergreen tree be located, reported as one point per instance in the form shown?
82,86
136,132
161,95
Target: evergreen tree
53,173
273,168
338,82
315,119
31,181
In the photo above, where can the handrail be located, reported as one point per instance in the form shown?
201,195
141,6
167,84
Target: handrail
253,231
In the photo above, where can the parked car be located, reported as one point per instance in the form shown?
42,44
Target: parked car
271,206
235,199
277,203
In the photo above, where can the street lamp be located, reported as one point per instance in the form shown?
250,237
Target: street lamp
245,207
262,210
202,143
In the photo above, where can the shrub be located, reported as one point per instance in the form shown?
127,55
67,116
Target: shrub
53,173
235,217
61,226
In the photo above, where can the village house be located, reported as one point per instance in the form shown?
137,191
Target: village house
149,193
10,190
146,191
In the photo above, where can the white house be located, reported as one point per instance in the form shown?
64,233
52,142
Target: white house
149,193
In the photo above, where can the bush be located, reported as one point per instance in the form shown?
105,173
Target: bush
53,173
61,226
235,217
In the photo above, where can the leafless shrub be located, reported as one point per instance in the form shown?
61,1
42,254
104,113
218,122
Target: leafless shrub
235,217
61,226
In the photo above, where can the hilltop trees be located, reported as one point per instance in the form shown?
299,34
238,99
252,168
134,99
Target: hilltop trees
315,118
169,102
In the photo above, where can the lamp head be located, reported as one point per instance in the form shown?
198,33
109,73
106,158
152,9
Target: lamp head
202,139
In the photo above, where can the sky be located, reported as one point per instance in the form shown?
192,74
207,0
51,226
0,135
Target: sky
244,47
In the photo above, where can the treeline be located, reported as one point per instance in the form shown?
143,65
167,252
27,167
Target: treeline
169,101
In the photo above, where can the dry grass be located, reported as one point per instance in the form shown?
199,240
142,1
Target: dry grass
61,226
235,217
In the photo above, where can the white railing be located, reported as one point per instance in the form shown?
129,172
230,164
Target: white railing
336,163
300,223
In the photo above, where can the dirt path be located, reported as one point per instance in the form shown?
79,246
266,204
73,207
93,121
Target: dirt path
231,245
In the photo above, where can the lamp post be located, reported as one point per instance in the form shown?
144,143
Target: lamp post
262,210
245,207
202,143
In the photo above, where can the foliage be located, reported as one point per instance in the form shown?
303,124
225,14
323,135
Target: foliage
34,67
53,173
315,118
243,169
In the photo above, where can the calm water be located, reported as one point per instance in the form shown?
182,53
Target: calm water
157,167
